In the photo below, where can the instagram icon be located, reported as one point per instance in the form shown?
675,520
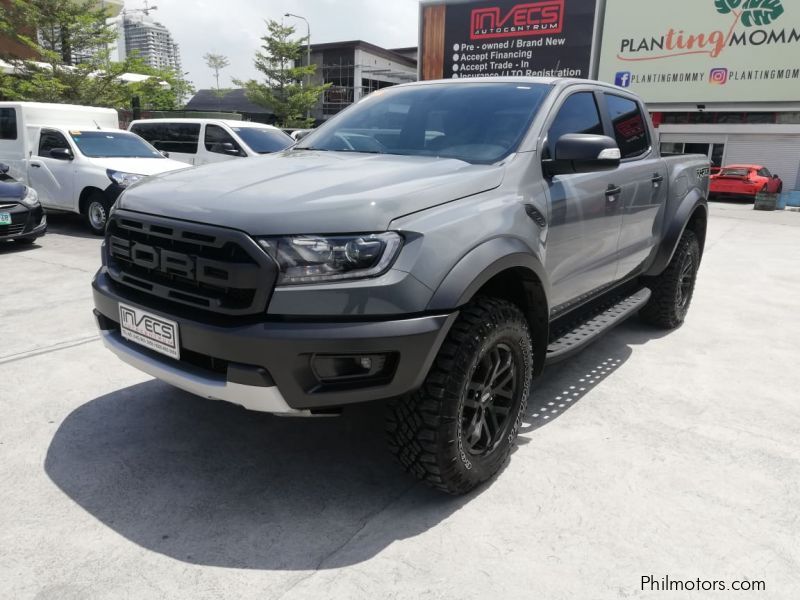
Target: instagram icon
718,77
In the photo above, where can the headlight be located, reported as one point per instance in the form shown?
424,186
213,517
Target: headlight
123,180
307,259
31,198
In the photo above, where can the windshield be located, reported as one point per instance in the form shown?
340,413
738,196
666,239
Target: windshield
112,144
264,141
474,122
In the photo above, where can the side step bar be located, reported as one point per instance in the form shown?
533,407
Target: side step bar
587,332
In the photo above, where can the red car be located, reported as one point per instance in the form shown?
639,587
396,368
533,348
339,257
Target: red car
744,181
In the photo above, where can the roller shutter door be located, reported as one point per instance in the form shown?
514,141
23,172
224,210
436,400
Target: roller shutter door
779,153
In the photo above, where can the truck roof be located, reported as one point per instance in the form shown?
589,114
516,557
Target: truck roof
228,122
552,81
43,114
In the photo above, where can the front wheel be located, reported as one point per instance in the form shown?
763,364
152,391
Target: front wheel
457,431
97,209
673,290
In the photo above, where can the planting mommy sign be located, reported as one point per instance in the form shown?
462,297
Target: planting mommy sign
703,51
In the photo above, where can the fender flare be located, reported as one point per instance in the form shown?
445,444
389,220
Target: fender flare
673,231
479,266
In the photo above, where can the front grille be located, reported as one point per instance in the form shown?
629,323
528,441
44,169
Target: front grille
210,268
11,229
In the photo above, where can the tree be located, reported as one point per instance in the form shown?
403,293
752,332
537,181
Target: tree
216,62
71,40
283,91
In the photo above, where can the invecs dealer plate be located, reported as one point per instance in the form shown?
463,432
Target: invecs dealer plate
149,330
5,218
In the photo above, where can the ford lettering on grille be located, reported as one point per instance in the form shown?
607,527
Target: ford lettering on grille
172,263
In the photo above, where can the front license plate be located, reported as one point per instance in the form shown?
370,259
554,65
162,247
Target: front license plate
5,218
149,330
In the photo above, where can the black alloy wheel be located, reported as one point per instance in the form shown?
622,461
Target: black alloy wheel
489,400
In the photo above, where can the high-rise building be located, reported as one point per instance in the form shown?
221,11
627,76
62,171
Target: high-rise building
151,41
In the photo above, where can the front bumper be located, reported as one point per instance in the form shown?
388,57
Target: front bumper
267,365
25,223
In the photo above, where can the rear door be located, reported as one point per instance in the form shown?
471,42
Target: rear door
642,177
585,218
52,178
179,140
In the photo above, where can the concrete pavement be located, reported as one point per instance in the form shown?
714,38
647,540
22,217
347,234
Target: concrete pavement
648,454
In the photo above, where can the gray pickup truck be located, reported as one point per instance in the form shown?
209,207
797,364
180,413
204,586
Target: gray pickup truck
434,246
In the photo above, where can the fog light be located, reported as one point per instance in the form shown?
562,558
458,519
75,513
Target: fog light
337,368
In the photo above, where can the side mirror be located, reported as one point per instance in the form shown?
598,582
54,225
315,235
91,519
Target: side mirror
583,153
299,135
229,148
165,154
4,168
61,154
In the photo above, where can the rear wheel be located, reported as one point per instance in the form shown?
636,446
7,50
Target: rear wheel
457,431
96,212
673,290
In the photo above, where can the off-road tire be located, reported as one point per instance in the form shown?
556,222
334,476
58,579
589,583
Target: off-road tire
425,430
97,201
671,297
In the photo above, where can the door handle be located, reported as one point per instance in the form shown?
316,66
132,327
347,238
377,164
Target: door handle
36,165
613,192
657,179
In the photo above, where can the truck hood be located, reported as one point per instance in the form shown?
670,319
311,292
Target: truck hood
140,166
305,192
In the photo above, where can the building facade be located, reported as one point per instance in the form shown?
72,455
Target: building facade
354,69
151,41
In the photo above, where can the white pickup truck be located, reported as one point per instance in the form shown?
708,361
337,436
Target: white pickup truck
75,157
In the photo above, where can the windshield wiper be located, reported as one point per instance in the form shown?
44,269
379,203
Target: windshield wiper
311,148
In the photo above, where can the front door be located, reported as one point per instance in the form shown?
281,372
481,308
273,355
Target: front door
52,178
218,146
585,216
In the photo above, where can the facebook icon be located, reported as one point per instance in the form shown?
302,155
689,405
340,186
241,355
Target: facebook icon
623,79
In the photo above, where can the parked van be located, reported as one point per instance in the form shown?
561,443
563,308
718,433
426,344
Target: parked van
204,141
76,157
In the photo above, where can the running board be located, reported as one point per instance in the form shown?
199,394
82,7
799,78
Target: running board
587,332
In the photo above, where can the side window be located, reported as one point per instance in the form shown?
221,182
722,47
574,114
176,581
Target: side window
217,138
49,140
170,137
8,124
578,114
765,173
630,127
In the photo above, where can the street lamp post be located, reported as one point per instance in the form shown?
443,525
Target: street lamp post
308,55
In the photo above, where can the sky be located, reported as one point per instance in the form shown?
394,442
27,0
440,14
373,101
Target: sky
234,28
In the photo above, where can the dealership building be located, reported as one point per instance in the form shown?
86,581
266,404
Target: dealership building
721,77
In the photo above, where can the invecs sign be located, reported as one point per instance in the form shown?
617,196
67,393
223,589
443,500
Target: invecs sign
533,18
